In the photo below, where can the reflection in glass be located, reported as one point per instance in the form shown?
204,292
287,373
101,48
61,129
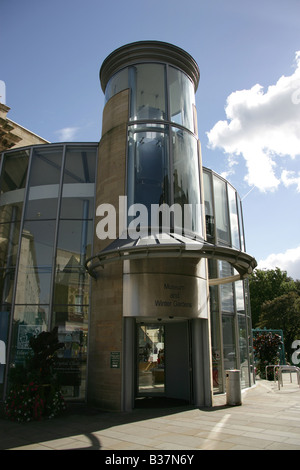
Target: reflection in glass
221,207
243,350
29,320
147,169
14,171
9,238
229,346
72,323
148,96
226,290
241,226
186,185
182,99
234,224
34,274
71,278
151,359
42,204
80,165
117,83
208,202
217,371
45,166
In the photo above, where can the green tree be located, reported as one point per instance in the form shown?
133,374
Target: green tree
283,313
267,285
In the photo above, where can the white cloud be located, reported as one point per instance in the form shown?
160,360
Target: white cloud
261,127
67,134
288,261
289,178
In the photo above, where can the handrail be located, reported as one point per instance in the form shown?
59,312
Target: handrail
283,368
291,369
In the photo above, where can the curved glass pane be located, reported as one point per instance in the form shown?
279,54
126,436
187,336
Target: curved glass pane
117,83
148,181
14,171
221,209
80,165
148,95
234,222
229,342
44,183
186,184
243,350
208,203
182,99
35,266
73,247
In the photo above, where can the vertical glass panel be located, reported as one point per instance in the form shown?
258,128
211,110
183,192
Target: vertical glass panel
239,296
148,96
46,166
182,99
226,290
78,204
80,165
9,239
4,325
78,183
241,224
73,248
151,359
29,320
208,202
42,203
14,171
72,323
35,266
221,209
229,344
215,340
234,223
117,83
44,183
186,185
243,347
148,169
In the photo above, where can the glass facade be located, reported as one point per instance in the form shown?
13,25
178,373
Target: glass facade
46,230
231,333
47,210
163,160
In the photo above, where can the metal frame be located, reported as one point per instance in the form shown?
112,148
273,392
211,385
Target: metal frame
63,146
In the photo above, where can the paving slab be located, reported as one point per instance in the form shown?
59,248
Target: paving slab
268,419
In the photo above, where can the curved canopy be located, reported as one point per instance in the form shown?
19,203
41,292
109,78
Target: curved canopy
171,245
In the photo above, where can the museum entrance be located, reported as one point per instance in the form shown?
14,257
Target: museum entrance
163,360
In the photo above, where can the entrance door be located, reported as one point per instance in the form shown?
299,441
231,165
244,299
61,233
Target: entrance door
151,361
163,366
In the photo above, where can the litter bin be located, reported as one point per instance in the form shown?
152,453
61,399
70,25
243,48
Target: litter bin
233,387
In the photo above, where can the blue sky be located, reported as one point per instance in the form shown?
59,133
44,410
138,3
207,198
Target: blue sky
248,100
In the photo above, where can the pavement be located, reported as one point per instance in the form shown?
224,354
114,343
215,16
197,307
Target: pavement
268,419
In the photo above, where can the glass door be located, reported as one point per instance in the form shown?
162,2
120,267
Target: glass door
151,359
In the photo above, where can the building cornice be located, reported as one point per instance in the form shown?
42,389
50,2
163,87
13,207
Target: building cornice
149,51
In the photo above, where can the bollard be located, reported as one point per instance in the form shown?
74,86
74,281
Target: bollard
233,387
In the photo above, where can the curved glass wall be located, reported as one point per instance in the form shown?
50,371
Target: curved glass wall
163,160
231,333
149,98
47,207
223,212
